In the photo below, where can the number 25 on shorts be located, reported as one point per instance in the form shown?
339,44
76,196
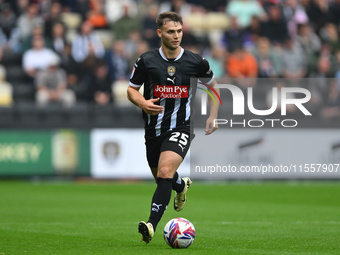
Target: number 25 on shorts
180,138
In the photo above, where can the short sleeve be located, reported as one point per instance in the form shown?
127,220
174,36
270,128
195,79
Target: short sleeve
205,73
138,75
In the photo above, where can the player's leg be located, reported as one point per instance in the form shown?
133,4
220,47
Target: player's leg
178,184
179,141
169,161
154,171
169,153
152,155
180,196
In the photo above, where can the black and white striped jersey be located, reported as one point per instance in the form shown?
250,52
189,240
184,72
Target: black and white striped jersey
169,80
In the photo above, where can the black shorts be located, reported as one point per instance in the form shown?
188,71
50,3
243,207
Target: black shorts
177,140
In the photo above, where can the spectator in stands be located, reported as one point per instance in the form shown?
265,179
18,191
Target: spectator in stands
52,85
37,31
319,83
143,7
58,37
240,65
275,28
268,59
308,39
213,5
113,9
310,44
124,25
81,7
331,107
234,36
37,58
20,6
6,90
254,29
244,10
7,19
28,20
96,15
138,49
131,46
318,13
216,60
9,44
180,6
329,35
334,10
142,47
9,33
100,90
44,7
149,27
118,62
53,16
294,64
293,14
87,47
77,79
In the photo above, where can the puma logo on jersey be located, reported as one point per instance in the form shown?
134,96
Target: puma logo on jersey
173,80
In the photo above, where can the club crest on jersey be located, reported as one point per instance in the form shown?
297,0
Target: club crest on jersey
171,70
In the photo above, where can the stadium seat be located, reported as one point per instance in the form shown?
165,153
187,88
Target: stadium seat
119,90
207,22
72,20
127,116
23,92
6,117
53,114
77,115
15,74
27,115
103,115
10,58
106,36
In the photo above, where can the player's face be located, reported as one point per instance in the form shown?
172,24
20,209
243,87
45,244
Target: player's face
171,34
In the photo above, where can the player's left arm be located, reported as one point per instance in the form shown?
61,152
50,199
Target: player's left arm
207,77
211,124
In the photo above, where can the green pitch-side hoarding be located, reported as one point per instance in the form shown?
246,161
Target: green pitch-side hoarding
52,152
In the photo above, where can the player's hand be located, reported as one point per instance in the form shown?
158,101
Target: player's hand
210,126
151,108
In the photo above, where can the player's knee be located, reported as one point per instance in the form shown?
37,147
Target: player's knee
165,172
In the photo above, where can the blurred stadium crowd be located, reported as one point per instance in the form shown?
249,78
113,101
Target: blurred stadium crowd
80,53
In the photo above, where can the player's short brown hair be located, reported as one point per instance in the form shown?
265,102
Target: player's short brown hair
168,16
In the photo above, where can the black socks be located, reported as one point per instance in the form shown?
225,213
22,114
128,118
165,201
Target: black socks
162,195
177,183
160,200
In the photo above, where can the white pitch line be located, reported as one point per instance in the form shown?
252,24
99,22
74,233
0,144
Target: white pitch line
270,223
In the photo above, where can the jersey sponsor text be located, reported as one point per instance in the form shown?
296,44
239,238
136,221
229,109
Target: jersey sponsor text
169,91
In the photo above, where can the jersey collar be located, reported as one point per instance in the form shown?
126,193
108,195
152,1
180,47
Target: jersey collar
178,57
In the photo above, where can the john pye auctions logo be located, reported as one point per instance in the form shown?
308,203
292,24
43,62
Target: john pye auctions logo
169,91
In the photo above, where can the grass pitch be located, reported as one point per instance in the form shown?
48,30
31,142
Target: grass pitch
230,218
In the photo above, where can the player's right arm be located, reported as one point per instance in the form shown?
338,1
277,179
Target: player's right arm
147,106
137,79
